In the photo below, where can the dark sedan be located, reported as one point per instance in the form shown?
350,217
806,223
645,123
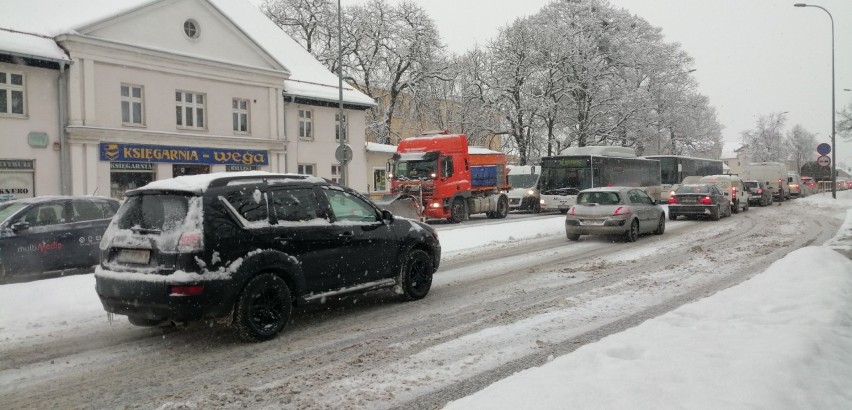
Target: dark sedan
699,200
52,233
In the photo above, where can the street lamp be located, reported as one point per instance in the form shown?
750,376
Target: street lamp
833,145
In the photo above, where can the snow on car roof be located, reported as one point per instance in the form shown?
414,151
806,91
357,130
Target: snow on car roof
199,183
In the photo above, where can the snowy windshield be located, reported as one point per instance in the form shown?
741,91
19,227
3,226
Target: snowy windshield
415,169
9,208
153,212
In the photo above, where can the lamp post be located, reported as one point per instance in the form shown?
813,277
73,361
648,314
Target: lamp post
833,145
341,122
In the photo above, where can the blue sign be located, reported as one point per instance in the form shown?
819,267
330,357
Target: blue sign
823,149
182,155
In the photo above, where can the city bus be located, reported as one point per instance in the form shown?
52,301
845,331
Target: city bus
674,168
578,168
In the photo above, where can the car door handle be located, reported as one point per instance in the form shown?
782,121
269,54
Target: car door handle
347,235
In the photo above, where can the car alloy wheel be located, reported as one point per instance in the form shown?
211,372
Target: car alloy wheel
633,233
263,308
416,274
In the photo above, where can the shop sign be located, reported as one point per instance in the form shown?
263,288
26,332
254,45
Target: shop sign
181,155
16,185
16,164
131,166
235,168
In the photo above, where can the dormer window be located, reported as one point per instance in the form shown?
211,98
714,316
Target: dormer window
190,28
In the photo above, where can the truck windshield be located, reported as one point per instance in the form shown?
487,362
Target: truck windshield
415,169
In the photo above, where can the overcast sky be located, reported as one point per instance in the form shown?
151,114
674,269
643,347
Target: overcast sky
752,57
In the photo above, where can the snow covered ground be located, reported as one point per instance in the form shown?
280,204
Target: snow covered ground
782,339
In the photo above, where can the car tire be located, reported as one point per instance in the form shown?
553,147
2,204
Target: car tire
661,226
263,308
735,207
728,213
457,211
416,275
714,214
573,237
536,208
672,216
633,233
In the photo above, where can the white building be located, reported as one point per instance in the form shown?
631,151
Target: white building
100,96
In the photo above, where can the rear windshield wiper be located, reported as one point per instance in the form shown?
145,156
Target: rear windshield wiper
140,230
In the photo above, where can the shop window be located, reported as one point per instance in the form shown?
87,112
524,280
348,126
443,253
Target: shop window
189,110
241,115
12,93
132,105
306,169
183,169
306,124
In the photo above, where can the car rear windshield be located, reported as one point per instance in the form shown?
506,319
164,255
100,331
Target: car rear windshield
160,212
600,198
693,189
752,184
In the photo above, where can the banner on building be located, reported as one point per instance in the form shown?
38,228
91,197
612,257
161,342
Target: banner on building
115,152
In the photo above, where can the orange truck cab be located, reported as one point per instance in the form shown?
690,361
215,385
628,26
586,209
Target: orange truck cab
451,179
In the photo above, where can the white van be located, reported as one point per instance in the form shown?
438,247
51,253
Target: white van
733,188
524,195
794,181
774,174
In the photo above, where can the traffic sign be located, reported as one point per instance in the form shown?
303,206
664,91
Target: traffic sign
343,153
823,161
823,149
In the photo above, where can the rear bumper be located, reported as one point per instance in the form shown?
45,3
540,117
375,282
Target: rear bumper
150,297
691,209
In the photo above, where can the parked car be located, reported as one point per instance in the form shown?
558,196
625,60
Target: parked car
732,187
758,193
52,233
699,200
615,211
247,246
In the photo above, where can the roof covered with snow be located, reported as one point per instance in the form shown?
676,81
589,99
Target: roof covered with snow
376,147
27,26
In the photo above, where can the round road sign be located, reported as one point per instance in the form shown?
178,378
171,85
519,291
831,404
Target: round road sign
823,149
823,161
343,153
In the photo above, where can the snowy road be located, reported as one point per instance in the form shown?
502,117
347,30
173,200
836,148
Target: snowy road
497,306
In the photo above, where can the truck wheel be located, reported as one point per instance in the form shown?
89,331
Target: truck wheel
263,308
457,211
502,207
536,208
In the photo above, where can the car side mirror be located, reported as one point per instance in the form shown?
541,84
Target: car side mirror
20,226
387,215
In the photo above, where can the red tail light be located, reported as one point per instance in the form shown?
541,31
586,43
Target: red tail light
734,192
622,210
706,201
673,200
572,210
191,241
759,190
189,290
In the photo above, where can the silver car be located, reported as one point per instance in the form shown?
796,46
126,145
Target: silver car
616,211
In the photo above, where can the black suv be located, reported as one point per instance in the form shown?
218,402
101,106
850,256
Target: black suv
247,246
51,234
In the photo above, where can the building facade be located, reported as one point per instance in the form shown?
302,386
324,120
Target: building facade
143,90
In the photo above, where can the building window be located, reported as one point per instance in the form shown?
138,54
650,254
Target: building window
337,128
306,169
335,174
12,93
132,105
306,125
189,110
241,115
380,179
190,28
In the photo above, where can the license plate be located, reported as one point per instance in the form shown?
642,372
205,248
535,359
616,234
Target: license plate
591,222
137,256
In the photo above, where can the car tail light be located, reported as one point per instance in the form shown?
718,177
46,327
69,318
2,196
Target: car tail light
186,290
572,210
734,192
706,201
191,241
760,190
673,200
622,210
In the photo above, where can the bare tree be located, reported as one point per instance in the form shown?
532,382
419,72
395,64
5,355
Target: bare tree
765,142
801,145
844,123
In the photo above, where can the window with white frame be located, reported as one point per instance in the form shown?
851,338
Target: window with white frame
337,128
241,115
380,179
132,105
306,169
335,173
306,124
12,93
189,110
